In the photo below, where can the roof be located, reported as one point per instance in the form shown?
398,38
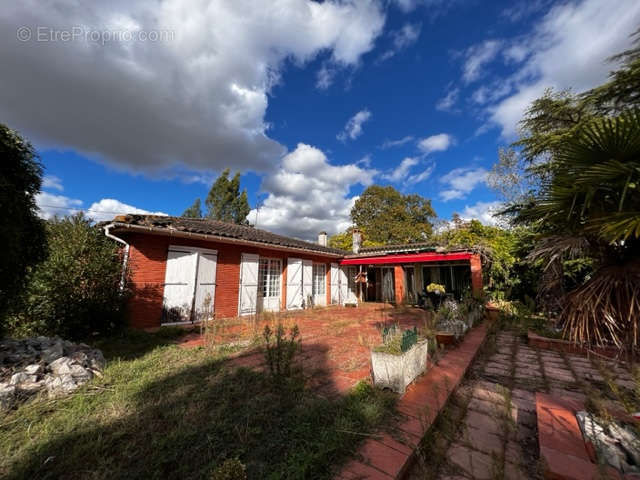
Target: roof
417,247
202,226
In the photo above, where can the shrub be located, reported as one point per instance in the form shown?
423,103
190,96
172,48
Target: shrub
76,290
231,469
280,350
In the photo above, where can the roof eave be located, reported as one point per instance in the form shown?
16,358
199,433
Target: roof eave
166,232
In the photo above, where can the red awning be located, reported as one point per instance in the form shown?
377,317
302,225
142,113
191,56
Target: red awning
406,258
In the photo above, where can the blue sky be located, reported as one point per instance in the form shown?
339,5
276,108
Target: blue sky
311,102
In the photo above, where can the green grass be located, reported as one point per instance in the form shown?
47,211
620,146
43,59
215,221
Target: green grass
174,413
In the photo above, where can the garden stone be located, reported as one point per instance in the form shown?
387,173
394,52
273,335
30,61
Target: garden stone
21,377
61,366
29,388
33,369
52,353
59,384
7,394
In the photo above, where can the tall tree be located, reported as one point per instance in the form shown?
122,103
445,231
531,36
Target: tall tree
21,231
391,217
225,202
194,211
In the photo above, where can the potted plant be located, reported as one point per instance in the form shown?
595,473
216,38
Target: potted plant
400,358
435,293
449,325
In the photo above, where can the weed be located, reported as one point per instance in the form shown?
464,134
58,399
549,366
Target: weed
280,350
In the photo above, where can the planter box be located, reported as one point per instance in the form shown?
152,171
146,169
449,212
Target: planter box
398,371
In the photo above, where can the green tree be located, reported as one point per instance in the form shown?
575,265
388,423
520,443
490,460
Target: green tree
225,202
194,211
76,290
391,217
21,231
344,240
591,209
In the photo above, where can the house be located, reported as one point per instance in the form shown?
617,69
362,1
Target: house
186,269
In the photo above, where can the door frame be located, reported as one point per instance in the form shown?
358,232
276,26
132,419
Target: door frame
261,299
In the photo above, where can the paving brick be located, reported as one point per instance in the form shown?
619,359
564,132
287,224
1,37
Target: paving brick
560,466
476,464
382,457
558,427
358,470
484,441
483,422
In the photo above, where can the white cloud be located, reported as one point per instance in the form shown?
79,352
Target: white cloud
325,76
401,39
401,171
477,57
461,181
396,143
50,205
52,182
568,48
483,211
435,143
353,128
446,103
108,208
308,194
422,176
197,97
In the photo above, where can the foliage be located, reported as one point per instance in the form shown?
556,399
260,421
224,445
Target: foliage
225,202
496,246
231,469
192,402
194,211
75,291
21,231
396,341
280,350
591,208
391,217
344,240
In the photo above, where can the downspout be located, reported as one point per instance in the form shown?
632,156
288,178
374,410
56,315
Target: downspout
125,260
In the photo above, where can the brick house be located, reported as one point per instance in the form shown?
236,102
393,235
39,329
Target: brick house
185,269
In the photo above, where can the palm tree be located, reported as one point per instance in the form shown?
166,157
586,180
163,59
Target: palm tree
591,207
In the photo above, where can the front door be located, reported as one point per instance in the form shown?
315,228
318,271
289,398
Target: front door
269,279
388,290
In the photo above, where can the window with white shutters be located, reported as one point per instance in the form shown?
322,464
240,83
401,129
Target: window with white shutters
319,285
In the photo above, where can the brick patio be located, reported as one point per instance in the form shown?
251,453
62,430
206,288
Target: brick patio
495,432
336,341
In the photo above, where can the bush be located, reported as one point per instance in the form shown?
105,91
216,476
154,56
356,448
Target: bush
231,469
280,350
75,291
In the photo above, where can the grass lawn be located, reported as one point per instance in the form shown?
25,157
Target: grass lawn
164,412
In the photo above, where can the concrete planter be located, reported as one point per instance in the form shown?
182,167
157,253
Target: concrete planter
398,371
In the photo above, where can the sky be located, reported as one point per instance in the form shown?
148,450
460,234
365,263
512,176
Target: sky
136,107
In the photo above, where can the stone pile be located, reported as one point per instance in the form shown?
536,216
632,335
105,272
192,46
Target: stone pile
47,364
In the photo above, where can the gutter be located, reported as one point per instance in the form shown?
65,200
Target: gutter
217,238
125,260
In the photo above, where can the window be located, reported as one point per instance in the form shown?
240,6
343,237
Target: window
269,277
319,271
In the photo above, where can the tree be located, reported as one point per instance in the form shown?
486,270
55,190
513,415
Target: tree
344,240
591,208
21,231
390,217
225,202
76,291
194,211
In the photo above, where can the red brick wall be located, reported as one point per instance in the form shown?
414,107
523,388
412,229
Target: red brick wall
147,260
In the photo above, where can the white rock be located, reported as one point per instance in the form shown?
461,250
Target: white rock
60,384
33,369
7,394
21,377
61,366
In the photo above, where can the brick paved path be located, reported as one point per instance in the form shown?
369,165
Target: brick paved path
489,430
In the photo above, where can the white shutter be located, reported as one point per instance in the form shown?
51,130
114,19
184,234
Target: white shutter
344,286
206,285
294,283
307,282
335,283
248,284
179,284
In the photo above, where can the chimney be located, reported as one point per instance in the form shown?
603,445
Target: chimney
357,240
322,239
